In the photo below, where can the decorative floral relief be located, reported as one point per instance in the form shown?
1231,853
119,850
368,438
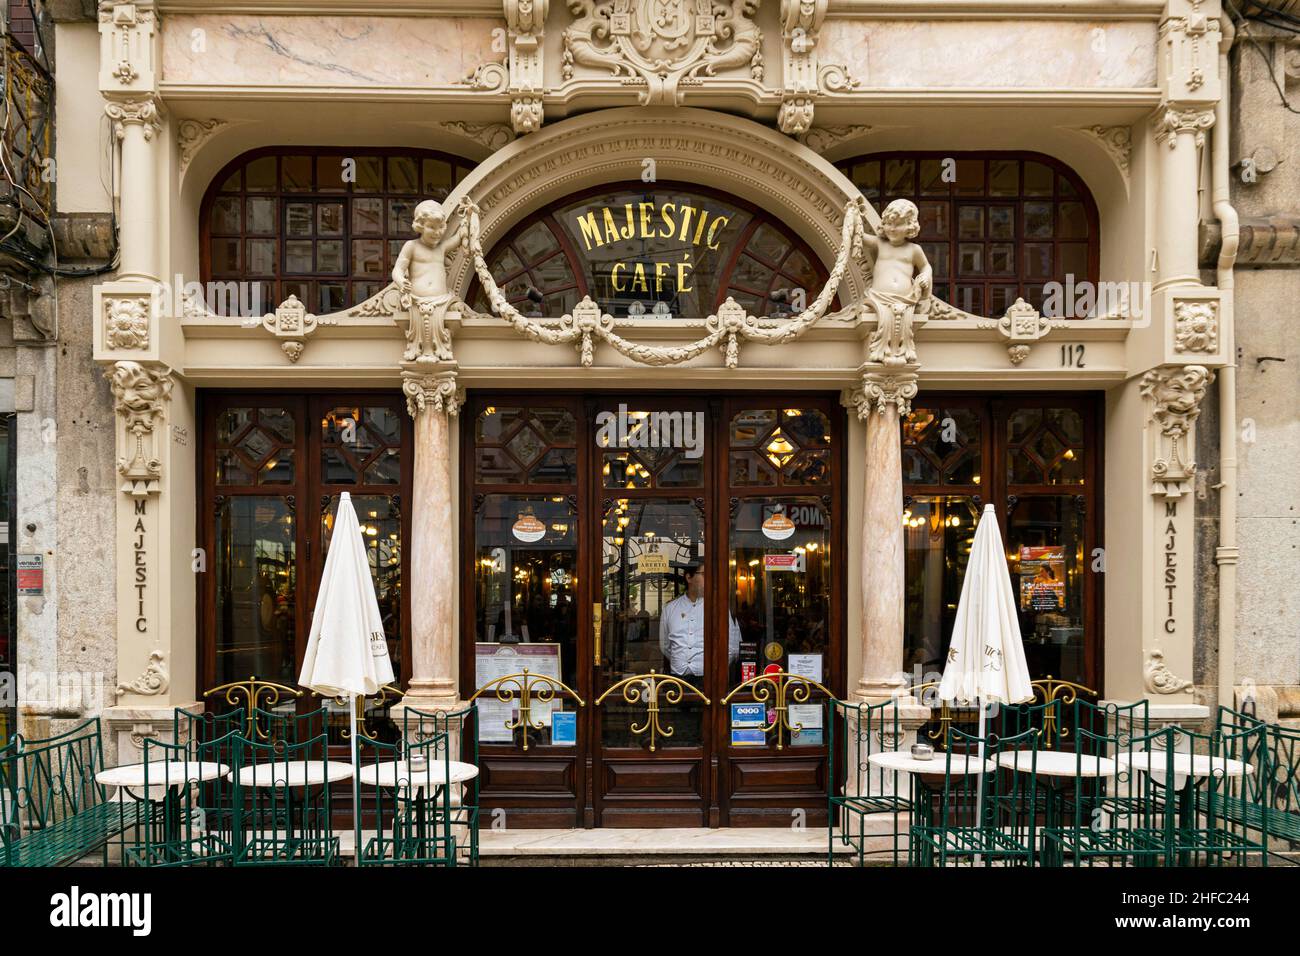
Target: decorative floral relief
126,323
1196,326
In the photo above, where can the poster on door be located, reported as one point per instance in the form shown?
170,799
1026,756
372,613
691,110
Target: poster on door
1042,578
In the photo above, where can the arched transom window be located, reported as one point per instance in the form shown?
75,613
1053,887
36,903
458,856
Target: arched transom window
667,249
995,226
323,224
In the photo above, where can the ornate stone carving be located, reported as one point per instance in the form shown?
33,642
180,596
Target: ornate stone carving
1159,679
420,275
491,135
1021,327
1189,36
191,134
154,681
822,138
901,279
1170,120
140,396
1176,394
142,112
385,303
525,23
292,324
804,78
488,78
725,330
1196,326
663,45
880,388
431,391
127,46
126,323
1117,141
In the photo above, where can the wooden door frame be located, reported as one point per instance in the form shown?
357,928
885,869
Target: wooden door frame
587,805
306,491
993,408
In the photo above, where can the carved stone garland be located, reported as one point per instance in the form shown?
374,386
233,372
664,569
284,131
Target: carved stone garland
727,328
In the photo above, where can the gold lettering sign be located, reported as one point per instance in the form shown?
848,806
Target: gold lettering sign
680,222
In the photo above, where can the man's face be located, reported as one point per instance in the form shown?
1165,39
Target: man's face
695,585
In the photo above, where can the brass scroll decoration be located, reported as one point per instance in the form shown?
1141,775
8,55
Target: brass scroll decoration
647,689
525,688
785,689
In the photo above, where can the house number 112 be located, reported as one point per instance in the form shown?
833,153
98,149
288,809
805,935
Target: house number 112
1071,356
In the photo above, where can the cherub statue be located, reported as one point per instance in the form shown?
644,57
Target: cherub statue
420,275
901,279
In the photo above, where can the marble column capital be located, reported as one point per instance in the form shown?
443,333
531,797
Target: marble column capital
431,386
1171,119
884,386
144,111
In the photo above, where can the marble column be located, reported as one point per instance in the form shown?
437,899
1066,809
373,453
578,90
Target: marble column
884,398
431,399
136,122
1180,135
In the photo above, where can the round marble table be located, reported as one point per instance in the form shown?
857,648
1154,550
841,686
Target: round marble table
1159,763
294,773
1189,770
165,779
394,773
938,765
1057,763
161,774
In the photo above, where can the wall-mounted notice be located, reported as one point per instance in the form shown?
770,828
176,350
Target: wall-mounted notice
30,575
492,661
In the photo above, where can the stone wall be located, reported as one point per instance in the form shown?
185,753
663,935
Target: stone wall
1268,390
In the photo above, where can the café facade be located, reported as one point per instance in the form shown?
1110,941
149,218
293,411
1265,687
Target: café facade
655,323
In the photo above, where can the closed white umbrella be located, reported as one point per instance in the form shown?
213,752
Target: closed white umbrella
986,659
347,653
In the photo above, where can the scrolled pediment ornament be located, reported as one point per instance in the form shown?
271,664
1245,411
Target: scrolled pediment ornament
587,324
663,45
153,681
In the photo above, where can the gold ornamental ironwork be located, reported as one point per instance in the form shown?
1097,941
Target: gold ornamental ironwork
1049,690
526,687
388,693
648,689
255,694
780,689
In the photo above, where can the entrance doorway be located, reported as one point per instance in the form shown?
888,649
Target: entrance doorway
638,564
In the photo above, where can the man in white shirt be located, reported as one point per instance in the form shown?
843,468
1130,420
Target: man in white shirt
681,629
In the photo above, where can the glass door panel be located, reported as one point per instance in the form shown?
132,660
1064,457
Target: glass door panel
1045,549
937,535
256,579
525,602
779,567
648,620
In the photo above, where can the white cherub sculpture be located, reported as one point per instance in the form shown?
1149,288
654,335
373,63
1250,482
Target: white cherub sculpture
420,275
901,279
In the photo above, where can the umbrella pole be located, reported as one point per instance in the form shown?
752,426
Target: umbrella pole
356,785
979,778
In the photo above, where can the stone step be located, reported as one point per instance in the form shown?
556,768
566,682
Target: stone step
695,847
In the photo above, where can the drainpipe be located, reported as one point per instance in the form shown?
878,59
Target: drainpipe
1225,556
